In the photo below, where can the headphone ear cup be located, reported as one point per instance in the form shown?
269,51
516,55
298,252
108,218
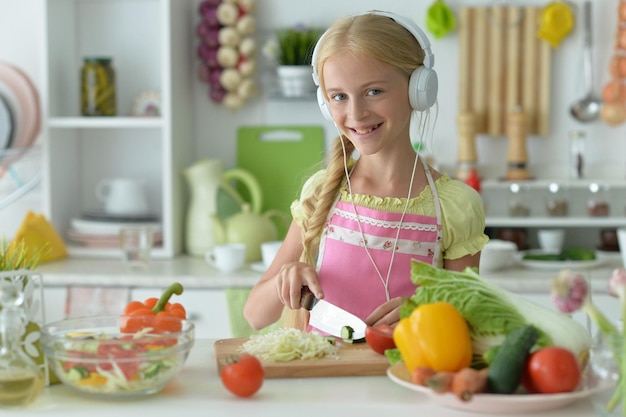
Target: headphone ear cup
423,86
323,104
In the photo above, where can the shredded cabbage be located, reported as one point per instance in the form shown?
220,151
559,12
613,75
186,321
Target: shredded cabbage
287,344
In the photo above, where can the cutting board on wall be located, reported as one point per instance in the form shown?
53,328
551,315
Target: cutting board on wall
352,360
281,158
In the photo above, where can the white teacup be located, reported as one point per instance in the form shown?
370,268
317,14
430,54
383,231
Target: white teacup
551,240
227,258
269,251
122,196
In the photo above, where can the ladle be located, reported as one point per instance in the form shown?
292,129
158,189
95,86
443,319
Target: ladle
588,108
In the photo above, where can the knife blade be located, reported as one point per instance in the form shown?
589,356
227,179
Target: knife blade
331,319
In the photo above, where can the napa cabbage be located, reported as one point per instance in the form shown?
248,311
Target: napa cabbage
492,312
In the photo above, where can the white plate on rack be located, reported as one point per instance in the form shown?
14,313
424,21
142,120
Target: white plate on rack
556,265
91,227
7,131
493,403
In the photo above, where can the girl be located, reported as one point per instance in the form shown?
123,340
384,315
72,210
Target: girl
360,222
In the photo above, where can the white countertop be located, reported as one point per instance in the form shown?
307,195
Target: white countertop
194,272
198,392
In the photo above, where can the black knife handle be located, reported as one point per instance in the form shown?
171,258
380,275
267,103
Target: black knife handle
307,299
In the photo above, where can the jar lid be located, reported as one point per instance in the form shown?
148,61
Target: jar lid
100,59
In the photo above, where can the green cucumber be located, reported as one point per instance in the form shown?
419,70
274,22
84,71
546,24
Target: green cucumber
578,254
507,367
543,257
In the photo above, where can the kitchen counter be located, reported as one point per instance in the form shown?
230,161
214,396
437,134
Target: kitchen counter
194,272
199,392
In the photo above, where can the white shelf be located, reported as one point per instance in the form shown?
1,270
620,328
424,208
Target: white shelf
105,122
603,222
81,151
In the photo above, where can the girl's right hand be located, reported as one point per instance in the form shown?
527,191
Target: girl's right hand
289,282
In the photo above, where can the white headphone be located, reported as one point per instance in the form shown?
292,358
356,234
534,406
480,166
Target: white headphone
423,82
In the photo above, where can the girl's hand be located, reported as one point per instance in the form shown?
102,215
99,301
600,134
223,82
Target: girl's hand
386,313
289,282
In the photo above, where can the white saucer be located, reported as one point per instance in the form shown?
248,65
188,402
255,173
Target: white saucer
258,266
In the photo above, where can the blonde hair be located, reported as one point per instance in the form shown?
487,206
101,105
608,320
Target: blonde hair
368,35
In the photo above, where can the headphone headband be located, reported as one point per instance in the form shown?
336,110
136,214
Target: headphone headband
423,84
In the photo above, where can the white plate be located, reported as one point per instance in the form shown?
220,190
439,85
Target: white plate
6,123
492,403
556,265
92,227
258,266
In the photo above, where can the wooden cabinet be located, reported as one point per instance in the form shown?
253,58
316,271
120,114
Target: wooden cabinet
150,44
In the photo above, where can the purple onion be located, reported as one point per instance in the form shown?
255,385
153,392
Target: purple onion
207,5
217,93
214,76
210,17
212,38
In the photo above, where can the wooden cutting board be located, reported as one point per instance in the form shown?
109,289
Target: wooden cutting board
352,360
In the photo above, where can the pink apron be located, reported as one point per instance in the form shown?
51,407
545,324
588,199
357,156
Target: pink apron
345,271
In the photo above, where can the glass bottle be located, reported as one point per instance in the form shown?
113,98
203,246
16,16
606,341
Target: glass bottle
518,201
21,380
598,203
98,87
577,153
556,203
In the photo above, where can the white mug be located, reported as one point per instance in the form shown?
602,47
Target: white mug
227,258
269,251
122,196
551,240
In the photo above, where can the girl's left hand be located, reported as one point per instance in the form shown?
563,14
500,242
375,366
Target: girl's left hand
386,313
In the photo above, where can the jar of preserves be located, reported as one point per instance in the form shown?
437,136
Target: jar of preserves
98,87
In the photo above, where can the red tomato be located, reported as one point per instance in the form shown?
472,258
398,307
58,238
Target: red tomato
380,338
244,376
550,370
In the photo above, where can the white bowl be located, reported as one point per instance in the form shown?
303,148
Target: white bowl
497,255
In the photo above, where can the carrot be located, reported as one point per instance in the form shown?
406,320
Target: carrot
421,373
469,381
441,381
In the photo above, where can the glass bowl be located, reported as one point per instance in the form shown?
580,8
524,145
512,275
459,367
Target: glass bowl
93,356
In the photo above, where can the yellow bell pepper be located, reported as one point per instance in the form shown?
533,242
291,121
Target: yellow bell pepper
434,335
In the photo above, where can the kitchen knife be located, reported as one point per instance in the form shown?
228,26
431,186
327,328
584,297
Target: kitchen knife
331,319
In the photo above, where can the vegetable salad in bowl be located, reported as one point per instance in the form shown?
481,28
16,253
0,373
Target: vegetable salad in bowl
92,355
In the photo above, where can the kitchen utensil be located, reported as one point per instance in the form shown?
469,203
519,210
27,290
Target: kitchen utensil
7,123
281,158
269,251
503,65
356,359
551,240
136,244
557,21
122,196
96,345
588,108
331,319
227,258
213,199
249,228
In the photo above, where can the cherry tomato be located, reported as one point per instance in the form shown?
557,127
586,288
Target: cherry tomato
243,376
550,370
380,338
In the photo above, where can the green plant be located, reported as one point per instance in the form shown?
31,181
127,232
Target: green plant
294,46
16,255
